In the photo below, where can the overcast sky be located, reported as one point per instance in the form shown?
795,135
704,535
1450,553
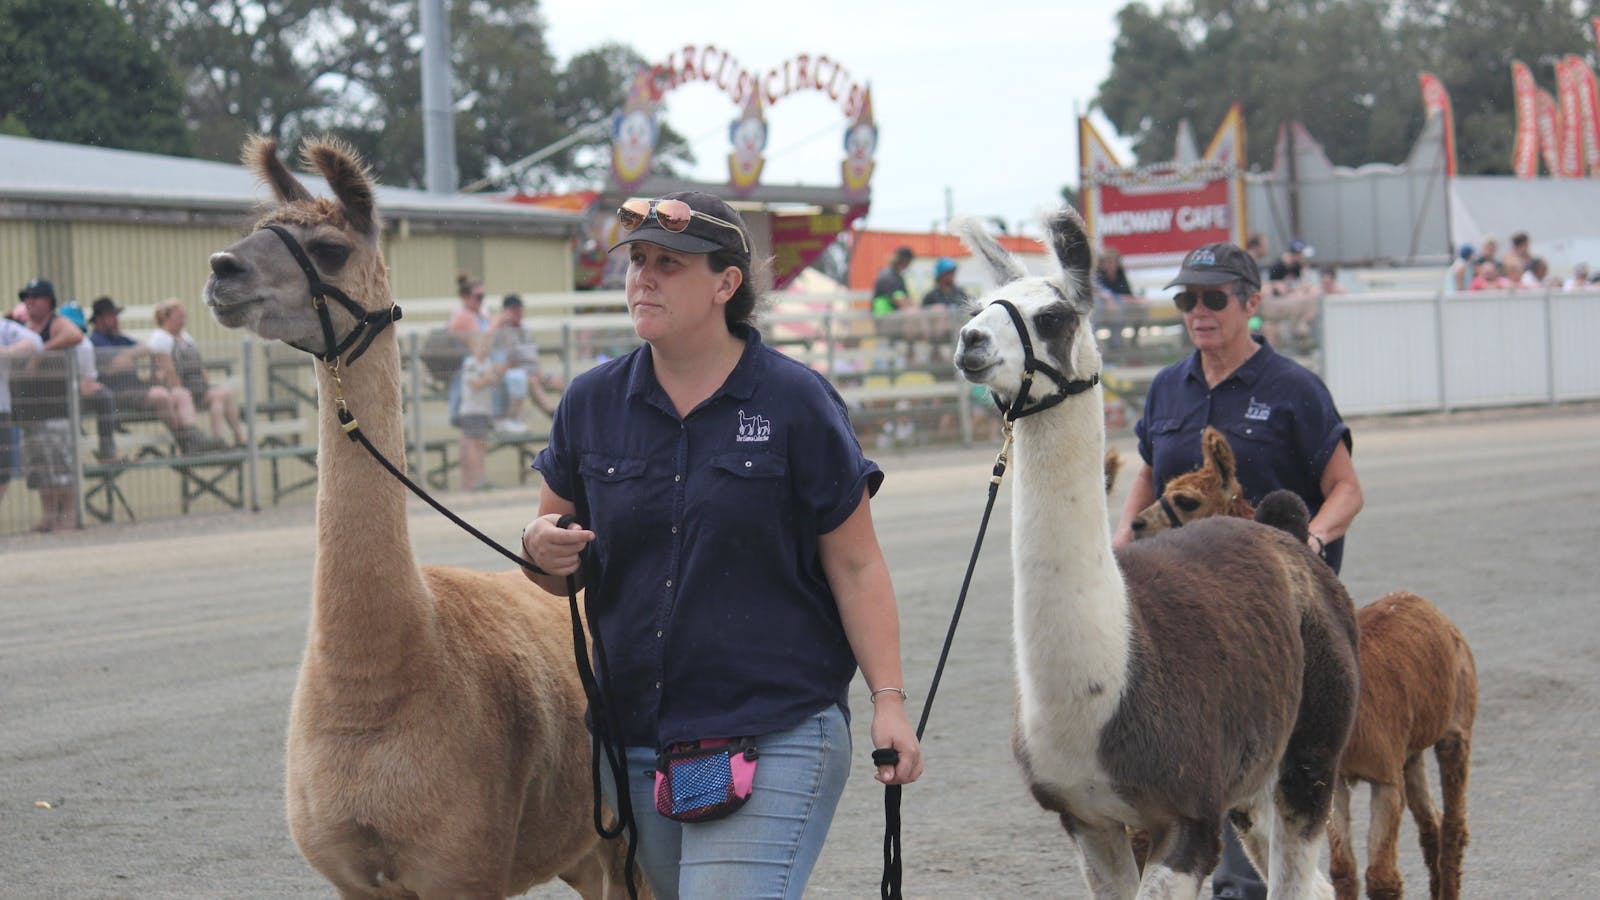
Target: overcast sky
976,97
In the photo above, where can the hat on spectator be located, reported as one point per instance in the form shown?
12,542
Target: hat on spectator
1466,251
73,313
38,287
102,306
945,264
904,254
1301,247
1219,263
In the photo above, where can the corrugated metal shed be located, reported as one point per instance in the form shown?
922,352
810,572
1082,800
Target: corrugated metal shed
139,227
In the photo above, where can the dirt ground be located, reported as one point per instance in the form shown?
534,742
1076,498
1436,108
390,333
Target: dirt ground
145,674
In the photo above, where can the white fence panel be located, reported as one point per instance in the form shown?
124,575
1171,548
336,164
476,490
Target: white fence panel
1574,363
1494,349
1395,352
1381,353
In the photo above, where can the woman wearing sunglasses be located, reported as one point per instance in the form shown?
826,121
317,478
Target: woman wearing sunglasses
737,578
1277,415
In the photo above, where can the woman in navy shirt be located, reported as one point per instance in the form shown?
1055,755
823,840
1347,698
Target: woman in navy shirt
1277,416
724,497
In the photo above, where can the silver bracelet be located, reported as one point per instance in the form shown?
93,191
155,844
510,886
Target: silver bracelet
874,695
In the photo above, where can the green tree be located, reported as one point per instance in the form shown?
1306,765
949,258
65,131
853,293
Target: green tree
75,72
289,68
1333,64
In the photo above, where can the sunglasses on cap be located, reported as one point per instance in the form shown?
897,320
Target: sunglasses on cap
673,215
1216,301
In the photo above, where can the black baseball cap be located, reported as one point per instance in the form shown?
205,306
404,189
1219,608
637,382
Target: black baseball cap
103,305
1219,263
717,228
38,287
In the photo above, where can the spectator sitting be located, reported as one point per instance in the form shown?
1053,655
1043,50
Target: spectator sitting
1120,309
1537,274
42,409
1487,250
891,300
17,343
117,357
941,302
178,367
1256,246
1579,278
510,345
1459,278
1521,250
469,317
1286,273
1487,276
1511,272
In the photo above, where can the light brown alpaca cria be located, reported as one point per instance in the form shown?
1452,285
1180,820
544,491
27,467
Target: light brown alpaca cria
436,739
1419,689
1211,490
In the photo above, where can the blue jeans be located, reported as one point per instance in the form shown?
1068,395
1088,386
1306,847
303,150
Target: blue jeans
768,848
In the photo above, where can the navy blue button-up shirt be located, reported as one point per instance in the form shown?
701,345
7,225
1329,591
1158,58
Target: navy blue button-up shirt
1277,415
711,602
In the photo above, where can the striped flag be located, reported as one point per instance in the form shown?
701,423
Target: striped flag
1525,153
1569,136
1435,99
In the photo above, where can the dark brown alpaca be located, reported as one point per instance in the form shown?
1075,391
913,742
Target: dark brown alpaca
1419,689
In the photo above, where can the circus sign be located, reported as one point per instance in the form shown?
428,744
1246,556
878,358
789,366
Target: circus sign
635,126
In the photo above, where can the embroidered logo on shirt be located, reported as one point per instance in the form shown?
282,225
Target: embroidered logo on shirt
754,428
1258,411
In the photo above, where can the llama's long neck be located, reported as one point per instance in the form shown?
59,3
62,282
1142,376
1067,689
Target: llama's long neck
371,610
1071,617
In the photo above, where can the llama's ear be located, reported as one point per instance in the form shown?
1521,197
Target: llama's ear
1070,243
349,179
1220,454
260,155
1002,265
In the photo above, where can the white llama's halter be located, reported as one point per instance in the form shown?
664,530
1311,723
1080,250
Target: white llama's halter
1065,387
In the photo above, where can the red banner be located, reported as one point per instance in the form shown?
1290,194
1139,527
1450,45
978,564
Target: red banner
1545,115
1588,112
799,238
1569,149
1525,153
1436,99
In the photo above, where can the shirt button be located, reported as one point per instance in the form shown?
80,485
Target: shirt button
658,685
674,529
747,464
669,582
677,478
611,471
658,634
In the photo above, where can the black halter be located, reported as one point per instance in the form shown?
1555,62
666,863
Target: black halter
1172,514
368,324
1065,387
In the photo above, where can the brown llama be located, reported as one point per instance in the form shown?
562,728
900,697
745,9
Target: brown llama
1419,689
1117,704
436,739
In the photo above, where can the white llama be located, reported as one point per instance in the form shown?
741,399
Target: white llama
1205,673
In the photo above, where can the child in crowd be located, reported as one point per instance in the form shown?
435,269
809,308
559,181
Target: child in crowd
480,375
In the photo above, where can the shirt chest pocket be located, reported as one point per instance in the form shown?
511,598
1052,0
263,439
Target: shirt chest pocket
616,485
745,481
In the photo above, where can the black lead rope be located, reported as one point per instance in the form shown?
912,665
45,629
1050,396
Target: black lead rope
607,732
890,886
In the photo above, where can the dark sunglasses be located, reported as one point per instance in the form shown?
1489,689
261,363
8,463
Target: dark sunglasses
1216,301
673,215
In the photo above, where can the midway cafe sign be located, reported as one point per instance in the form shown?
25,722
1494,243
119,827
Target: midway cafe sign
1160,217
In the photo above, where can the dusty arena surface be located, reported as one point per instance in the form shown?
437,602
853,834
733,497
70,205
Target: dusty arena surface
145,674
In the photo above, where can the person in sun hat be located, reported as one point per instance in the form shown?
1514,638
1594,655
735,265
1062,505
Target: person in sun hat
1278,417
723,502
